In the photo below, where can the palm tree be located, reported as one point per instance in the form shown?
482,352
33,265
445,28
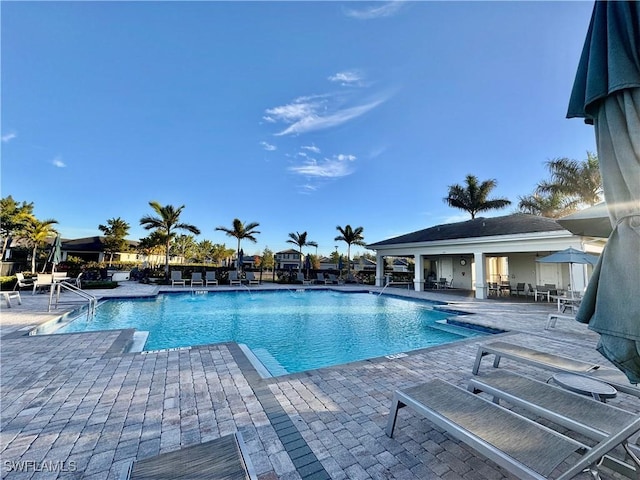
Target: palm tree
13,216
580,182
300,239
351,237
473,197
167,221
115,232
36,232
551,205
241,231
184,246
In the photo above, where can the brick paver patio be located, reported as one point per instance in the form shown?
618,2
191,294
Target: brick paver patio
79,406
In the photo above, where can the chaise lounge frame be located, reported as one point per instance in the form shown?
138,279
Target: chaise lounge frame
557,363
519,445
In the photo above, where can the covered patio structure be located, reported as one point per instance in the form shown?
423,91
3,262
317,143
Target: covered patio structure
474,254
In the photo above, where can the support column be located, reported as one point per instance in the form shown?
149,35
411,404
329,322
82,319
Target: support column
379,271
480,274
418,279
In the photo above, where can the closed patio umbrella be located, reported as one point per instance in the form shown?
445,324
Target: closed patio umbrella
606,92
55,256
307,264
240,259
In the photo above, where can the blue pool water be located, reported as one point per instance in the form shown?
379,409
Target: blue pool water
288,331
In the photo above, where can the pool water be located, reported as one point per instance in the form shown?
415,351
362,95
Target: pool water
288,331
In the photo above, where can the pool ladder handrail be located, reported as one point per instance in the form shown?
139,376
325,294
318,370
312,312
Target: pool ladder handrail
58,286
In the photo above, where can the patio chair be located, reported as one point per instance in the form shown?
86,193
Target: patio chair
300,278
210,278
224,457
556,363
176,278
523,447
76,282
196,279
7,296
520,288
251,279
22,282
43,281
334,279
493,289
233,278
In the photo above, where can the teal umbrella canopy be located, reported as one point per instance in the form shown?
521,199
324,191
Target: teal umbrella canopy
590,222
55,256
570,255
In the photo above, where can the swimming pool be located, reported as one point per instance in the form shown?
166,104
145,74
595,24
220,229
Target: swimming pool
288,331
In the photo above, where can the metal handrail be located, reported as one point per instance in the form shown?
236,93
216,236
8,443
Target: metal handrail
92,301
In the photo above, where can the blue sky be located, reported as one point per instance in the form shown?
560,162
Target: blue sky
298,115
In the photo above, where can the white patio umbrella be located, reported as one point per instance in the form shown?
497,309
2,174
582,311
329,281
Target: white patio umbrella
570,256
606,93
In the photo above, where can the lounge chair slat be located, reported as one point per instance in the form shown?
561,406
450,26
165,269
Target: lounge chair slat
582,414
489,428
595,420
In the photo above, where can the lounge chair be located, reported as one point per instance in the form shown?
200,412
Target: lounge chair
334,279
210,278
523,447
351,278
196,279
322,279
583,415
224,457
176,278
22,282
251,278
555,363
552,318
300,278
233,278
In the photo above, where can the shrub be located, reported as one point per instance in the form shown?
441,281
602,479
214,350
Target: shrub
94,284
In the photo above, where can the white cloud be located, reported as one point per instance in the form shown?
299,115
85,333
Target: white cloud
301,107
268,147
313,120
335,167
386,10
57,162
350,77
7,137
311,148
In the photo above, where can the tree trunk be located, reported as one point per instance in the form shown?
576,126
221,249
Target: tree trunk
33,260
